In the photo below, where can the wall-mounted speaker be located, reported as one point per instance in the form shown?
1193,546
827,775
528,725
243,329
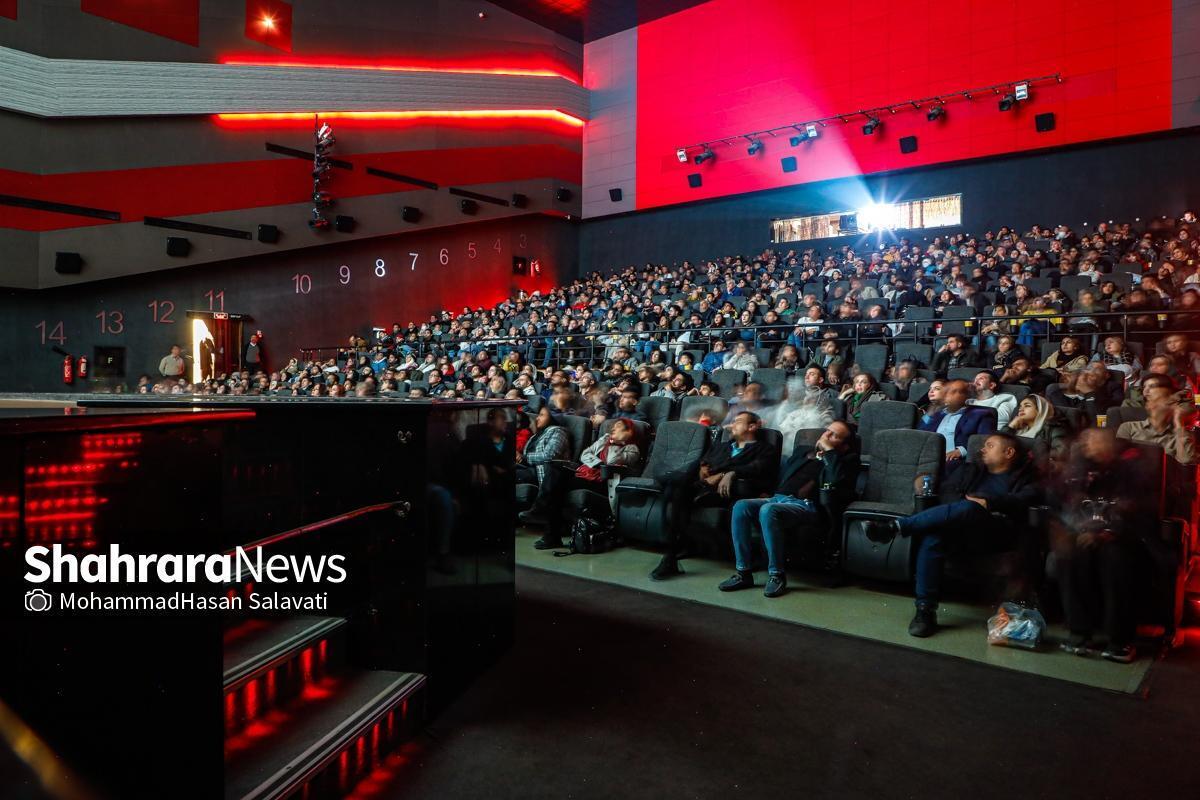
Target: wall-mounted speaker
788,163
694,180
1044,122
563,194
519,200
908,144
68,263
410,214
178,246
344,224
615,194
468,206
268,234
520,265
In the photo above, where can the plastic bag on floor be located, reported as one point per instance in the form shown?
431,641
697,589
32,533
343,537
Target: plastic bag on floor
1016,626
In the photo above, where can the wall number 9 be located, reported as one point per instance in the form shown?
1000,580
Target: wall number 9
380,268
344,273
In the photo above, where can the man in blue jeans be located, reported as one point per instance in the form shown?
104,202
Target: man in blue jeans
831,464
986,506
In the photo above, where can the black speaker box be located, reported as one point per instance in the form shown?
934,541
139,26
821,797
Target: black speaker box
344,224
788,163
695,179
615,194
410,214
519,200
562,195
520,265
68,263
178,246
268,234
468,206
908,144
1044,122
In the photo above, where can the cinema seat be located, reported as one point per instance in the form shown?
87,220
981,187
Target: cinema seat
901,455
647,505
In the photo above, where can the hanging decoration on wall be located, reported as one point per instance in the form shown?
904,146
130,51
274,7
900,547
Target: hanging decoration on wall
323,142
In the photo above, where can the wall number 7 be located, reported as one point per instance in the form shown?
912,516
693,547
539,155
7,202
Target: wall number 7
414,261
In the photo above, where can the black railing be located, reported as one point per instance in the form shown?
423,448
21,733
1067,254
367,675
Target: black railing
569,347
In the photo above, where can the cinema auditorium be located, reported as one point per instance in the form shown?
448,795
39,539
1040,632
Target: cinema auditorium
599,399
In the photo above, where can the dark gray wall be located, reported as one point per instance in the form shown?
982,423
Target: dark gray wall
271,289
1112,180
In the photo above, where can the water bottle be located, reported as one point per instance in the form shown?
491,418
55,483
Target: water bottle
927,485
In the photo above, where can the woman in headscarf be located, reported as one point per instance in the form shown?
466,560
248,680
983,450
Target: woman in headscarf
862,390
1037,419
1068,358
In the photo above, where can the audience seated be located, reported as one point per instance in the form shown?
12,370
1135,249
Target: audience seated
831,467
956,421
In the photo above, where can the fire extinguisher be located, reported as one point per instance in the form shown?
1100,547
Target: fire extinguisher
69,370
83,365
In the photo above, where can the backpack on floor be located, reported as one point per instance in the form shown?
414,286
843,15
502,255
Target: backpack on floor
590,535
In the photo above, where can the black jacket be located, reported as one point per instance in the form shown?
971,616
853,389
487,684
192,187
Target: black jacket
968,358
1023,493
755,464
839,471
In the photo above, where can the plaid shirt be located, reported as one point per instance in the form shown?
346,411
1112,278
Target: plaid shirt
552,444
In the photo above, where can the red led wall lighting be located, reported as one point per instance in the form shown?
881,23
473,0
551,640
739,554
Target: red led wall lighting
306,117
8,8
483,65
269,22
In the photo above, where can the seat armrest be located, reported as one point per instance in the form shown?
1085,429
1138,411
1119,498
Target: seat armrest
643,485
1038,517
610,470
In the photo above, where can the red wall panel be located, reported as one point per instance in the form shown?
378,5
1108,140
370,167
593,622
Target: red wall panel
8,8
724,68
174,19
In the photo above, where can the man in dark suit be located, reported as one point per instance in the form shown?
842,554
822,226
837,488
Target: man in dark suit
743,458
957,422
955,353
985,504
831,464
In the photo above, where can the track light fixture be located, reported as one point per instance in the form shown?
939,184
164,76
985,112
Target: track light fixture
1011,93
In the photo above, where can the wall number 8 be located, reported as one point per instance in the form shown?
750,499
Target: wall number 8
380,268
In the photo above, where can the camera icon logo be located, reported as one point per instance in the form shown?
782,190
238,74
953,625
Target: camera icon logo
38,600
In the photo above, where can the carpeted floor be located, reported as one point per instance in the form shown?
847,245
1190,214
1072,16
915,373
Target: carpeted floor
611,692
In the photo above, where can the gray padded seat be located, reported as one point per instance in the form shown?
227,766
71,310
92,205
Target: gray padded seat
580,431
872,358
900,456
964,373
728,380
1017,390
691,407
656,410
774,381
883,415
913,351
643,512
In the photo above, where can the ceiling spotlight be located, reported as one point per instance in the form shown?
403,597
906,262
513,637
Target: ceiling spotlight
681,154
810,131
795,141
935,113
1021,91
268,22
755,146
872,125
1007,102
700,158
318,223
322,199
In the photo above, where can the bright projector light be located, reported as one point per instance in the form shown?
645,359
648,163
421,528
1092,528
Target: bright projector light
877,217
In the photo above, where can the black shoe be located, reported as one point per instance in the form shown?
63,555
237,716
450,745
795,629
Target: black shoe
548,542
881,532
776,585
1077,645
923,624
531,517
739,580
1122,654
667,568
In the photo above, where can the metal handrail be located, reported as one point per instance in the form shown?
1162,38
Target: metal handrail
785,330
